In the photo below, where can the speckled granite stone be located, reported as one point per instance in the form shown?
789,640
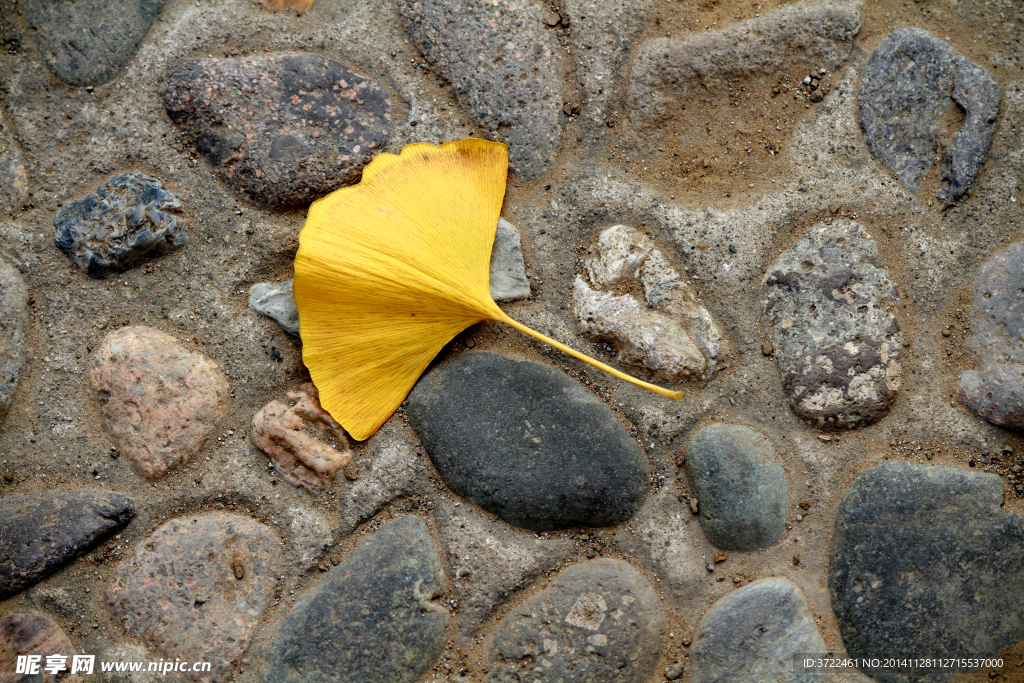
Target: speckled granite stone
283,129
829,304
197,587
901,110
502,63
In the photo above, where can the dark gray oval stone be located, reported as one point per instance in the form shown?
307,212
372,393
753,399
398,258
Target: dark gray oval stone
901,109
598,621
527,443
371,619
39,535
926,563
740,487
282,129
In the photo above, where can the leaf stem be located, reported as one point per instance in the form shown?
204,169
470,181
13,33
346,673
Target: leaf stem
674,395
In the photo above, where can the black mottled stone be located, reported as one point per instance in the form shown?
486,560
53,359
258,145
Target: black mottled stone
86,43
926,563
829,304
284,129
503,64
911,83
740,487
371,619
527,443
598,621
39,535
125,222
994,389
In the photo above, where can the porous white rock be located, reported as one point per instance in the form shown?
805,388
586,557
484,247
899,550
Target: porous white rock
669,332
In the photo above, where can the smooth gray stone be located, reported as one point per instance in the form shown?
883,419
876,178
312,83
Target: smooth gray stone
275,300
994,388
526,442
740,487
508,272
926,563
598,621
371,619
754,634
87,42
40,534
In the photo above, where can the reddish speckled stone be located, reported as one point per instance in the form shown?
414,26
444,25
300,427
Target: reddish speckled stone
284,129
197,587
160,400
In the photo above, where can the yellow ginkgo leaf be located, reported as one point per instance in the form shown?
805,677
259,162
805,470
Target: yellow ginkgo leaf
390,270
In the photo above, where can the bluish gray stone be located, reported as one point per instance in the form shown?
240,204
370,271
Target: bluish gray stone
40,534
994,388
754,634
371,619
926,563
912,82
740,487
527,443
598,621
126,221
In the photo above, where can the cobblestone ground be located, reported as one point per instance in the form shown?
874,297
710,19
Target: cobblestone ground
804,215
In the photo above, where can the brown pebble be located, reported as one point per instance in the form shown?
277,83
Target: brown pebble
767,348
352,471
945,333
796,560
721,557
553,19
238,569
805,504
693,505
833,208
816,96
